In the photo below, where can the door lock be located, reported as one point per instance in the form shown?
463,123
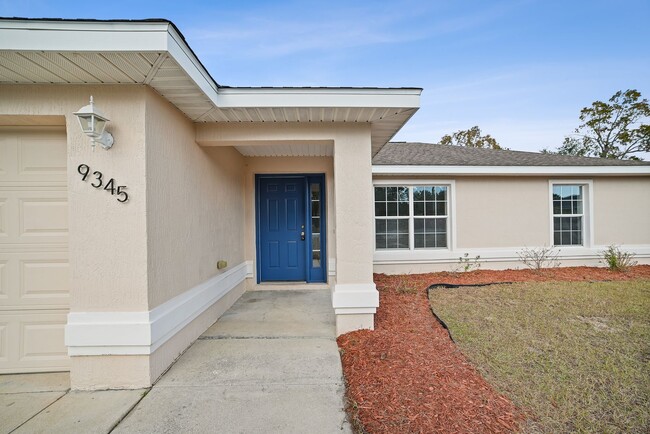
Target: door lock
302,235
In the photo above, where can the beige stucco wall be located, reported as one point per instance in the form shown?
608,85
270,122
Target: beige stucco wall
286,165
502,212
107,240
352,186
622,210
195,204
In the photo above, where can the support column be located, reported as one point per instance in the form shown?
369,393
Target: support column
355,297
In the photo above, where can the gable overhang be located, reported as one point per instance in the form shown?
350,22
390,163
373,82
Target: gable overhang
154,53
423,170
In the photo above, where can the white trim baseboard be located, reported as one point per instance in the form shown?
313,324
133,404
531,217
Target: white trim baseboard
129,333
444,256
511,170
355,298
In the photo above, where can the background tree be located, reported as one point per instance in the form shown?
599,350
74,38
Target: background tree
613,129
471,138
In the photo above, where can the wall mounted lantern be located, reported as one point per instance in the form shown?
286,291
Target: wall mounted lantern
93,122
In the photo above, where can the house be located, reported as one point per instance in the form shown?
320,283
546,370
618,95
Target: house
114,259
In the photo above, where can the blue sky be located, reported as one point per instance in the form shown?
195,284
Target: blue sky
521,70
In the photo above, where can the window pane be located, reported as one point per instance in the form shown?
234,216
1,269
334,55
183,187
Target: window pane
403,241
380,226
418,208
391,225
428,193
380,209
557,240
418,193
315,208
577,207
442,225
566,207
380,241
429,208
391,241
315,224
441,241
315,242
556,207
419,241
403,194
391,209
391,193
441,208
315,260
380,194
418,226
403,209
315,191
430,240
403,226
441,193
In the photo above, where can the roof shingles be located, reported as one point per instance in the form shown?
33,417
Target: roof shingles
430,154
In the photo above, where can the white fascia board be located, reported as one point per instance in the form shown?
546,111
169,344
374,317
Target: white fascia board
511,170
319,98
95,37
181,53
21,35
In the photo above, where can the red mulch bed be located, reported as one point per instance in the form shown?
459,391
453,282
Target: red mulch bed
407,376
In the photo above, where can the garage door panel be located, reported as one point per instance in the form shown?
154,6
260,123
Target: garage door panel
33,341
42,217
28,155
34,266
43,339
41,154
33,216
34,279
4,342
4,218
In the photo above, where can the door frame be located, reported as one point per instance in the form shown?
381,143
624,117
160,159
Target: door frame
308,178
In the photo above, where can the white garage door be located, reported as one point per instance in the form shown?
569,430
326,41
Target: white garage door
34,269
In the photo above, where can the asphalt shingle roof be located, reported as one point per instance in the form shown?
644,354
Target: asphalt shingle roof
430,154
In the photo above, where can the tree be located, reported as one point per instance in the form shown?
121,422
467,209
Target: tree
471,138
613,129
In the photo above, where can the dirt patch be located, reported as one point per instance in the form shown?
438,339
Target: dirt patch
407,376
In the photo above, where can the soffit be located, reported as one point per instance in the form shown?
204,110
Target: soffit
155,54
287,150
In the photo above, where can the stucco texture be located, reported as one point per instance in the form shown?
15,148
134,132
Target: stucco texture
107,239
195,204
622,210
502,212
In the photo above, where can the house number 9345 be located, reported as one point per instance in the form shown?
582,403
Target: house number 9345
98,181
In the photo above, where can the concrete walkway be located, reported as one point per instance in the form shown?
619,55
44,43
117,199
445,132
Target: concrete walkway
269,365
43,403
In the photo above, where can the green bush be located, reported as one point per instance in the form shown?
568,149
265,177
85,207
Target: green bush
616,259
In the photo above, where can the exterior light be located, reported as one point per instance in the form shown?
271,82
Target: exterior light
93,122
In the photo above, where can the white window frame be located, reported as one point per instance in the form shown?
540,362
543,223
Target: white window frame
451,214
587,211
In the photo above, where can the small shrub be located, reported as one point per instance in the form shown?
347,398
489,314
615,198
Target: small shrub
405,286
465,263
537,258
616,259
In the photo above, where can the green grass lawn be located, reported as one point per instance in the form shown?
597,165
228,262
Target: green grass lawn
574,355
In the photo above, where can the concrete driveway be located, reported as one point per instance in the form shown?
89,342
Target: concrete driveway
269,365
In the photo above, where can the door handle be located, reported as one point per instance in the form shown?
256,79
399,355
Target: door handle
302,235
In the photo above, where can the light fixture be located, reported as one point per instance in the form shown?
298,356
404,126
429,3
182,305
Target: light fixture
93,122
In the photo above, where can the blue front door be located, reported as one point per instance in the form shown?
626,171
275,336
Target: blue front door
281,228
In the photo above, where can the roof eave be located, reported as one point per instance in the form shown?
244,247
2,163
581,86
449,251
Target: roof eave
511,170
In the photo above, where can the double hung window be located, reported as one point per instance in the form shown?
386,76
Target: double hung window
411,217
568,215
